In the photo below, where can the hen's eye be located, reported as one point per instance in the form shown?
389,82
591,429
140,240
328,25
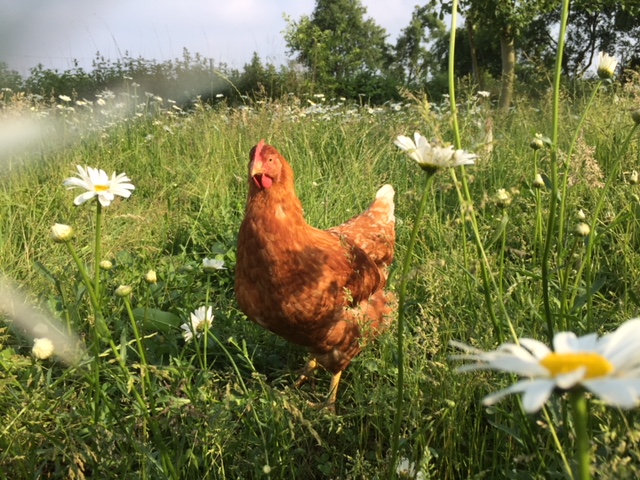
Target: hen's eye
270,159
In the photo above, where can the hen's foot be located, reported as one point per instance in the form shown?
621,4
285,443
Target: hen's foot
330,402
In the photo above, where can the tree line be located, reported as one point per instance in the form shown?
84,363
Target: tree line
503,45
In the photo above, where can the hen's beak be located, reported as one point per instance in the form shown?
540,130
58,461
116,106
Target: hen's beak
255,168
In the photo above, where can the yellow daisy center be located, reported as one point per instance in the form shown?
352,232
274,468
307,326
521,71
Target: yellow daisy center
201,326
101,188
561,363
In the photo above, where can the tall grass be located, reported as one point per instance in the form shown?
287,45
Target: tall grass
166,409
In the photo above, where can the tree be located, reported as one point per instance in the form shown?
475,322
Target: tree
412,59
612,26
506,20
337,44
9,78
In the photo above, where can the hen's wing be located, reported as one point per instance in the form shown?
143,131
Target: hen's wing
373,231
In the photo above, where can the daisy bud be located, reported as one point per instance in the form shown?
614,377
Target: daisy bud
503,199
106,265
537,143
633,178
635,115
538,182
123,291
42,348
151,277
61,233
607,66
582,230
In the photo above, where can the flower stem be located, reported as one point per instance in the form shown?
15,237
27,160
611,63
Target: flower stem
101,327
580,416
466,201
406,265
553,198
206,330
136,333
96,284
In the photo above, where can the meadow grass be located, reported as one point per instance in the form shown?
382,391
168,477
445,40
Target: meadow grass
143,404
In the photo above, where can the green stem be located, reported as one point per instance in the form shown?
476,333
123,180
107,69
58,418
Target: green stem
451,76
406,266
557,442
487,279
551,221
580,417
98,331
144,374
136,333
100,326
565,182
85,278
97,253
206,330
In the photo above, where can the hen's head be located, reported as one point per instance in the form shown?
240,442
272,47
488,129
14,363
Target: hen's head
266,166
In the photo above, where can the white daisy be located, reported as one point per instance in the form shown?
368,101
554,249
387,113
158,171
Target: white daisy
97,183
608,366
431,157
606,65
407,469
210,265
201,318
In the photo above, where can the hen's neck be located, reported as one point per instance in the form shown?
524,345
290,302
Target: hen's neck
278,202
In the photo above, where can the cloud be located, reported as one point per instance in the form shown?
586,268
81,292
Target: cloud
56,32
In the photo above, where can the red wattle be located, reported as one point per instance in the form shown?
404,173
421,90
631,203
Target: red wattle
262,181
267,181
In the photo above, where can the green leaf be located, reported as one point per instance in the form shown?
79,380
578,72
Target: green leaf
581,301
153,319
498,232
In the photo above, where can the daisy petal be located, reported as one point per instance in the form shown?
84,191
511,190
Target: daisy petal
75,182
621,393
537,348
588,342
571,379
404,143
536,395
565,342
80,199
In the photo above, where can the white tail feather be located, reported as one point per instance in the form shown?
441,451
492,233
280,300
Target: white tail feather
386,194
386,191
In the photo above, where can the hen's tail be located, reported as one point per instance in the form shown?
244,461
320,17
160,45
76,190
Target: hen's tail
384,203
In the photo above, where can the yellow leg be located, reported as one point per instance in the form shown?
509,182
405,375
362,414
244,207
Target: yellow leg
333,391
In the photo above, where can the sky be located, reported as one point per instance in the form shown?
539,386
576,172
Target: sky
55,32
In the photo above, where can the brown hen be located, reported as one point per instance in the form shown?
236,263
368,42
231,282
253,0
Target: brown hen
322,289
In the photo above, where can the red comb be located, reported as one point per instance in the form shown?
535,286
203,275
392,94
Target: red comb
259,148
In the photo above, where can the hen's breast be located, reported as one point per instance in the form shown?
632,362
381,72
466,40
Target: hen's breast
288,279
